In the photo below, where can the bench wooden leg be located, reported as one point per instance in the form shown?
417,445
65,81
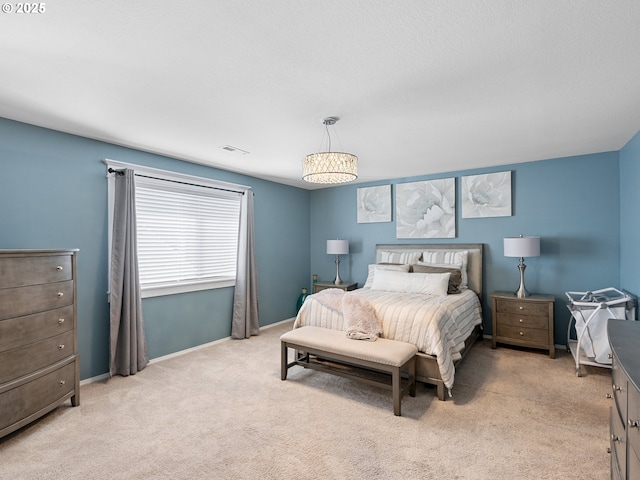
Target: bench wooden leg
284,360
412,377
396,378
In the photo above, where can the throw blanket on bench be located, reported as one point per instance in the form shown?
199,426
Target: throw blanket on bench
360,321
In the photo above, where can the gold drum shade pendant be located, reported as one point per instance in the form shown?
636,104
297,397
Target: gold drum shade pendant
329,167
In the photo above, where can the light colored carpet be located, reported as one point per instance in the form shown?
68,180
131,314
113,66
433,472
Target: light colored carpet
222,412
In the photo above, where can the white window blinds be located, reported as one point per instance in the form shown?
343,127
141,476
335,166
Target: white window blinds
187,234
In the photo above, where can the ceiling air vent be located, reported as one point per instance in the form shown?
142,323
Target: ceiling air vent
229,148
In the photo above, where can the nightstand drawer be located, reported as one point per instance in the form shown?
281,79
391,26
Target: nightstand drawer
528,335
523,321
522,308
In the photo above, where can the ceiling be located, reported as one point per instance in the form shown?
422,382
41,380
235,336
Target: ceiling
420,87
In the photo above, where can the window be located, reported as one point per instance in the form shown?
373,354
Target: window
187,231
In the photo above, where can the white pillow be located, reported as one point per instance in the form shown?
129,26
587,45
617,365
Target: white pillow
448,257
404,282
407,258
376,266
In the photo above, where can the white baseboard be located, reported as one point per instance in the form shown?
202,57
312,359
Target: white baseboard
105,376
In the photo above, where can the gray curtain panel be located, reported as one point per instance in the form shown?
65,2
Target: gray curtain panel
128,350
245,302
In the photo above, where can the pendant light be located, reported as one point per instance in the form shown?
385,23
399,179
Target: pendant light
329,167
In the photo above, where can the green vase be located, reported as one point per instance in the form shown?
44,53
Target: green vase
303,296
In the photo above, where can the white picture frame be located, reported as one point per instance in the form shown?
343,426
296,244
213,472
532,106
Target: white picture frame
426,209
374,204
486,195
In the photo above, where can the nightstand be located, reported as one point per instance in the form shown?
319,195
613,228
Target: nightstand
526,322
344,286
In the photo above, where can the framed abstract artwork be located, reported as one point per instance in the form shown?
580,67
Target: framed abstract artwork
374,204
426,209
487,195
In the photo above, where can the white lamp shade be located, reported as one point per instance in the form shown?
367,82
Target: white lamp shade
523,247
337,247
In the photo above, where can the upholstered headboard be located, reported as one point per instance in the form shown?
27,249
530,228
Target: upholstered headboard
474,262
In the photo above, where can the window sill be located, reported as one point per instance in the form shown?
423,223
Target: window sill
159,291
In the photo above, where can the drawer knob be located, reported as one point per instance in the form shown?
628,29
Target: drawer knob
521,321
61,347
521,307
59,268
521,334
60,294
617,388
610,356
608,395
60,321
615,438
61,383
632,423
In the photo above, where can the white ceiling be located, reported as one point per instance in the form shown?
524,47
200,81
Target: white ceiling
420,87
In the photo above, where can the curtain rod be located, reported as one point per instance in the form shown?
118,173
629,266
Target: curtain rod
121,172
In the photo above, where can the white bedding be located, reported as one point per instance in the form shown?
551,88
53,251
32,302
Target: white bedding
436,325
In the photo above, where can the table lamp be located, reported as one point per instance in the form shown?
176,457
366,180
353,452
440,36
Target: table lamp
337,248
522,247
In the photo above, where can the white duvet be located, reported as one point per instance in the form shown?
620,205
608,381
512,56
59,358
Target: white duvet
437,325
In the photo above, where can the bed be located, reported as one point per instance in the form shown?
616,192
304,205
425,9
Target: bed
443,327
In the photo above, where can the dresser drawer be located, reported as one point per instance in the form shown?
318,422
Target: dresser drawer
523,321
28,359
34,270
525,335
20,331
619,386
523,308
17,302
633,418
27,399
617,438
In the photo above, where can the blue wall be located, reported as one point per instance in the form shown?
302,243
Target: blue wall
571,203
53,194
629,221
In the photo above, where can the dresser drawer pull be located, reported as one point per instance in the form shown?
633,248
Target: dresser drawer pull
608,395
521,307
610,356
632,423
59,268
60,294
617,388
61,346
615,438
61,383
521,334
60,321
521,320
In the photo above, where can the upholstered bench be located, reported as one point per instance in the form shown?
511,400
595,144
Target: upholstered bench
383,355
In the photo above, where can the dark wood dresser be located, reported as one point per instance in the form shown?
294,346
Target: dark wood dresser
39,364
624,338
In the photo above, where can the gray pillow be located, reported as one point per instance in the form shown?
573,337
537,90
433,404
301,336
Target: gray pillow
454,280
